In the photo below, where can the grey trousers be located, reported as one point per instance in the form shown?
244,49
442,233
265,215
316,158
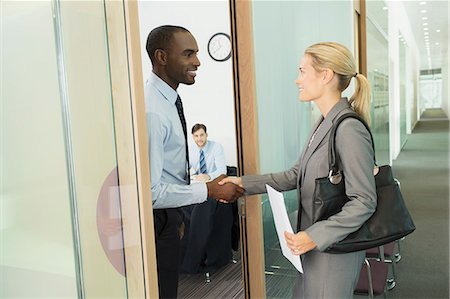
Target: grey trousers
328,275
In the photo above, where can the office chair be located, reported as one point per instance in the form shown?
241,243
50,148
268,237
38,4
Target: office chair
373,278
389,255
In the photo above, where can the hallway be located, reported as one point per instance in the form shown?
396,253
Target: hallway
423,170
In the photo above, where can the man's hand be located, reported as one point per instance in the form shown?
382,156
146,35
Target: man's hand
227,192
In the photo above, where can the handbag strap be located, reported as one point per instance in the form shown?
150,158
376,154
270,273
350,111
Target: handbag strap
333,158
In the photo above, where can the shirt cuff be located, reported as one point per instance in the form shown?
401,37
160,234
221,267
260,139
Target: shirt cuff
200,192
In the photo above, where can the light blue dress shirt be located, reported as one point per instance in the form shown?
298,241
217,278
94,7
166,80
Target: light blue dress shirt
167,152
214,158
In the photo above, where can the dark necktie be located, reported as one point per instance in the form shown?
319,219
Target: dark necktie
179,106
202,162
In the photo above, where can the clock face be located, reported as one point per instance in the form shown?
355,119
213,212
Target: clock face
219,47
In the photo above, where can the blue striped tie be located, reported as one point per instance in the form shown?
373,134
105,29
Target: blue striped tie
202,162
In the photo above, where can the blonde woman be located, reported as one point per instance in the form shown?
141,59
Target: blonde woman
326,70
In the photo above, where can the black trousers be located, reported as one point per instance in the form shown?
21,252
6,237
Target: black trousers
206,244
167,235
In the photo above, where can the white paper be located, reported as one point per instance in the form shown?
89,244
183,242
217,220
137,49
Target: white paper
282,224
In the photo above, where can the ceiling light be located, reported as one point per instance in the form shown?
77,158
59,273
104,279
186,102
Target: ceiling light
425,24
422,3
437,44
426,33
425,28
423,11
385,8
438,30
424,18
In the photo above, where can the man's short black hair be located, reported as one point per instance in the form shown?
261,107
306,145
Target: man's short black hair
197,127
160,37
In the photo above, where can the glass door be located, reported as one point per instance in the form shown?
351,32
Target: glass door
69,191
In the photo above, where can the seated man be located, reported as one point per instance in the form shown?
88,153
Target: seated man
206,245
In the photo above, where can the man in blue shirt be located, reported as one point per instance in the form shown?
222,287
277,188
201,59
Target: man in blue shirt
213,153
173,53
207,239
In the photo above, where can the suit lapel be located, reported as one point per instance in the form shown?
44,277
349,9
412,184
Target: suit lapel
323,131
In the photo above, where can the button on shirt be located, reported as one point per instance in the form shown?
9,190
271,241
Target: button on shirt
214,157
167,152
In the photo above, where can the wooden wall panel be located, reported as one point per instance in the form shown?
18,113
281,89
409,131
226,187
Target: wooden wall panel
248,153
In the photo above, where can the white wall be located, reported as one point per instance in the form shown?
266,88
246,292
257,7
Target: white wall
399,23
210,99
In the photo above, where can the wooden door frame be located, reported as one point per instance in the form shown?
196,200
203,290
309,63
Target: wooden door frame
122,21
360,30
252,249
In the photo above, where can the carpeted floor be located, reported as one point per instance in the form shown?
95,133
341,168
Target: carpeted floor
423,170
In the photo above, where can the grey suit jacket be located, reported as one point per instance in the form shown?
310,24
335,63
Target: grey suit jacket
354,147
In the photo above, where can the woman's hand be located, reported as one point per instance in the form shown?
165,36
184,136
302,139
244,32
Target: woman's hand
232,179
299,243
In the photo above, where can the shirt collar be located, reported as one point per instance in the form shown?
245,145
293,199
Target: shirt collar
168,92
205,148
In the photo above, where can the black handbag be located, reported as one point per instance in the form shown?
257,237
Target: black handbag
391,219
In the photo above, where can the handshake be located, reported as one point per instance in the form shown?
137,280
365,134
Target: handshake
225,189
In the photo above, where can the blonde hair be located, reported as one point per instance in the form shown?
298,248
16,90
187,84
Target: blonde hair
340,60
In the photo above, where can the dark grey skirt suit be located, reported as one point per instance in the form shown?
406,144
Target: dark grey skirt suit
328,275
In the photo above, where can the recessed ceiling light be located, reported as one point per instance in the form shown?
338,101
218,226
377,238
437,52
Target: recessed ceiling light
422,3
425,24
438,30
426,33
385,8
437,44
423,11
424,18
425,28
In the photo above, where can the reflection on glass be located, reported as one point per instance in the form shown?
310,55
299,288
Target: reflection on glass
93,153
378,75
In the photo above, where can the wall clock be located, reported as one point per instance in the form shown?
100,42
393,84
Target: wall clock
219,46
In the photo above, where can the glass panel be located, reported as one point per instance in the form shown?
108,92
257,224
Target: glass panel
37,250
402,61
284,123
378,75
85,51
61,168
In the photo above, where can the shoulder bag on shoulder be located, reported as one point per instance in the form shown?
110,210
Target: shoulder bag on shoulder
391,219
